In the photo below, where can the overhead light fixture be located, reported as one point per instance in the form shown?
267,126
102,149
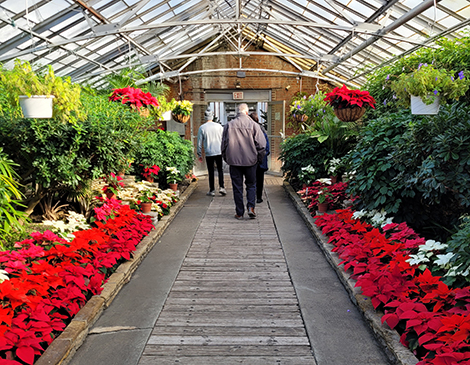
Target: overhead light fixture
237,85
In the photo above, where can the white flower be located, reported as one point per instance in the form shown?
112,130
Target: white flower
444,259
3,276
325,181
432,245
359,214
417,259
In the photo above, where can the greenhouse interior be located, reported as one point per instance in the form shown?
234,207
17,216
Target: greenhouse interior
234,182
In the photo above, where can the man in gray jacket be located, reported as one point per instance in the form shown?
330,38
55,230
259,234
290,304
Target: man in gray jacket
210,135
243,146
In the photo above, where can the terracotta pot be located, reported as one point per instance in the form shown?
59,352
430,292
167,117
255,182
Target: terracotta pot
150,179
322,207
349,114
334,179
109,194
174,187
146,207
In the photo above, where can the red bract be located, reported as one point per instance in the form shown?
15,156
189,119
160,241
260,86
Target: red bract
430,316
49,283
133,96
346,98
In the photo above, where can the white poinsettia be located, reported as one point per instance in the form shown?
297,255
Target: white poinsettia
3,276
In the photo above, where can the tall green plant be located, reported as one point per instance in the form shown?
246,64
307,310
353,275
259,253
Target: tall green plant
11,216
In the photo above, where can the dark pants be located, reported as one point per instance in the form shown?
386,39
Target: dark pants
238,174
210,160
259,182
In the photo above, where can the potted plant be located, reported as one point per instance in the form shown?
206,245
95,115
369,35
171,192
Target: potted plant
41,95
173,176
150,173
428,86
309,108
322,199
349,105
113,185
182,111
145,199
333,169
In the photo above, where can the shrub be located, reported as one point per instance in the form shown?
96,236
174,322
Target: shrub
164,149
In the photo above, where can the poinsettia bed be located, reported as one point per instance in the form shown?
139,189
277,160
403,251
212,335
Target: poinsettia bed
50,279
432,319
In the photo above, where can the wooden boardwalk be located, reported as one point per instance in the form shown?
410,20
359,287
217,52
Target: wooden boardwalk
233,301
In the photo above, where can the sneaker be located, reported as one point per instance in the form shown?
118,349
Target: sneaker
251,213
222,191
259,201
211,193
239,217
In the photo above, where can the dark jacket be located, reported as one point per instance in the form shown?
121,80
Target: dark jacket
243,142
264,164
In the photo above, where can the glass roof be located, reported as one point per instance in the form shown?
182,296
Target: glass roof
339,40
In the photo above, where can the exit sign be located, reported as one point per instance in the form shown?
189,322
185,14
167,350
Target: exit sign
238,95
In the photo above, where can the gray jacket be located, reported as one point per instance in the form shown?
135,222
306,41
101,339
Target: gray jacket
209,135
243,142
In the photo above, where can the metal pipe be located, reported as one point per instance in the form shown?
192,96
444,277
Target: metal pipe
397,23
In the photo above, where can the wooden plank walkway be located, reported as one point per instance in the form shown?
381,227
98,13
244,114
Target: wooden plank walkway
233,301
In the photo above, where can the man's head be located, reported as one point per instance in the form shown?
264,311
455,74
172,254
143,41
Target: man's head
243,108
208,115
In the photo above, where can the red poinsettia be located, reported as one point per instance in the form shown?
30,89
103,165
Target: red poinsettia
345,98
133,97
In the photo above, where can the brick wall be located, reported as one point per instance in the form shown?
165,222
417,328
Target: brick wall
282,86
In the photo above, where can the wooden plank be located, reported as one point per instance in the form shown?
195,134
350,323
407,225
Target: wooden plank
209,308
227,360
250,275
227,340
187,350
229,322
231,301
231,295
234,331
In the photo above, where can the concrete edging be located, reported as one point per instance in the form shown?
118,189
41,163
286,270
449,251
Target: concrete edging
66,344
389,339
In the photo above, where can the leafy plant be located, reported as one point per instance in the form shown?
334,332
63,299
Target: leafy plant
151,171
323,195
22,80
313,107
133,97
428,83
184,107
146,196
173,175
11,216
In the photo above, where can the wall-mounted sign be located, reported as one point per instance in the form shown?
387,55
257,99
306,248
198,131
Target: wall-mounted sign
238,95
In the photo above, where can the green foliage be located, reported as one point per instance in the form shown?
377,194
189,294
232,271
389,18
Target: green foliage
11,217
459,245
184,107
416,168
428,82
58,158
164,149
450,54
303,150
374,167
22,80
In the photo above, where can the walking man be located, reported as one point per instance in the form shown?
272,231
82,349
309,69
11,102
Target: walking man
210,136
243,147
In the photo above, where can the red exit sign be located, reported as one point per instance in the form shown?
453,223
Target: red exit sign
238,95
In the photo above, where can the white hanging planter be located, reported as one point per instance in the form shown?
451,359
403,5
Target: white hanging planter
167,115
36,106
418,107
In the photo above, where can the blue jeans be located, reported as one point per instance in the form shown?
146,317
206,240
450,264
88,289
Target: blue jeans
238,174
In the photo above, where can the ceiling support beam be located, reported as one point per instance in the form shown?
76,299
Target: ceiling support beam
399,22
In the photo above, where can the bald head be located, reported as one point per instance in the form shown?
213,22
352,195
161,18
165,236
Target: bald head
243,108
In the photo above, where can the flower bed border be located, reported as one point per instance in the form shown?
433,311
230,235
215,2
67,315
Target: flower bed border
389,339
62,349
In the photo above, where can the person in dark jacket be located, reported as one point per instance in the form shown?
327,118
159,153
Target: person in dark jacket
263,165
243,147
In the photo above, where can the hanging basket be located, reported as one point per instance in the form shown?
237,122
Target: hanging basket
36,106
418,107
180,118
300,117
349,114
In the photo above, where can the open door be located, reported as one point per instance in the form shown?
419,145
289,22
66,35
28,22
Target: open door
276,128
